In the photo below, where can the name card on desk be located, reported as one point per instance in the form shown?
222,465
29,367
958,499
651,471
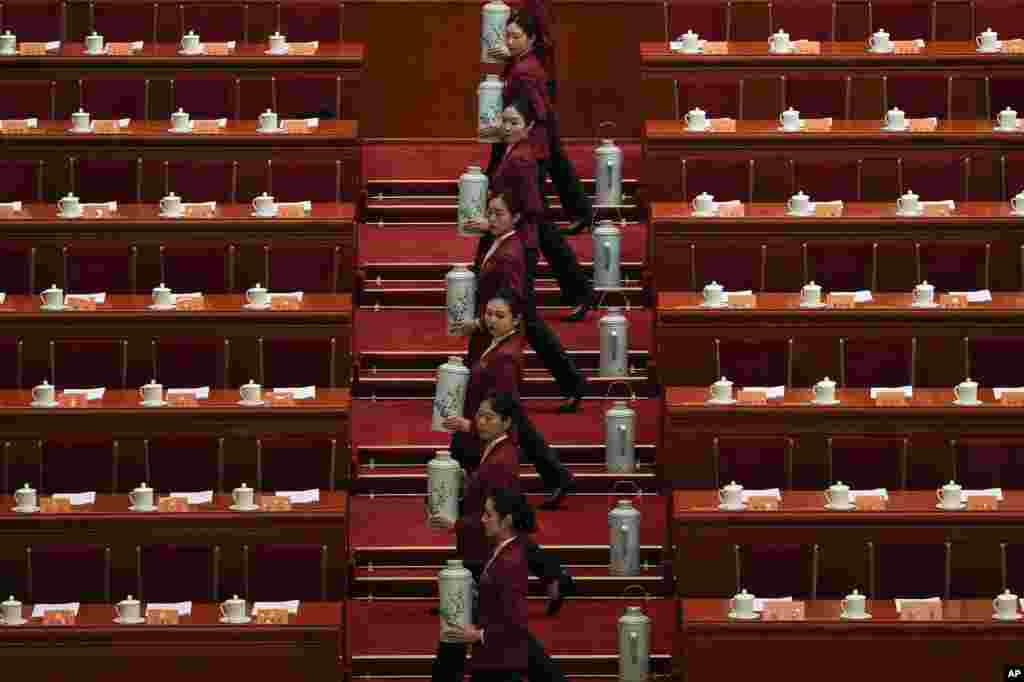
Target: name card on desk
96,212
81,303
1013,396
120,49
7,212
275,503
982,503
292,210
72,400
206,126
199,211
817,125
217,49
742,300
34,49
953,301
753,396
285,303
894,397
296,126
807,46
303,49
49,505
823,210
272,617
106,126
784,610
172,504
15,125
870,503
762,503
921,610
906,47
190,303
162,617
1009,47
723,125
846,299
937,210
716,47
282,400
182,400
59,618
923,125
731,210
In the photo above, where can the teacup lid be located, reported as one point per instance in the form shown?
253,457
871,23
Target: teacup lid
969,382
781,32
697,110
689,32
190,32
952,485
827,381
26,488
733,486
128,600
94,34
251,383
53,287
881,31
8,32
811,285
839,485
143,486
1008,109
45,383
1007,595
793,110
705,195
235,598
258,287
924,285
152,382
244,486
744,594
987,31
909,193
800,193
855,595
11,601
713,285
723,382
268,111
80,110
896,109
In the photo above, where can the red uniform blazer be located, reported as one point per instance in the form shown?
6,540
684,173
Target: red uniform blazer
499,470
525,77
506,268
516,175
502,614
499,371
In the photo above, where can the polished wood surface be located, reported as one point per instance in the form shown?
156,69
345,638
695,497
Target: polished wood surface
974,216
843,58
234,221
845,136
320,309
930,423
683,307
965,644
341,133
310,645
119,415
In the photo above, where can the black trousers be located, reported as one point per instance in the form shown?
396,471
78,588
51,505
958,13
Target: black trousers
572,280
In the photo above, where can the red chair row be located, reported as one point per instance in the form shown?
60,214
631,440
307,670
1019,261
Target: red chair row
145,181
213,268
173,361
843,265
211,96
166,21
169,573
78,463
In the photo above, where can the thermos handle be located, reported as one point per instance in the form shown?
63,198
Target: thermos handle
615,345
622,440
634,647
606,247
623,539
637,492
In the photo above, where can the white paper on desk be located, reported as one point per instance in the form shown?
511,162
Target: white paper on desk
989,492
39,610
137,45
862,296
901,602
292,606
200,393
759,603
908,391
300,393
29,123
77,499
837,203
947,203
180,297
718,205
98,299
221,123
300,496
200,204
294,294
999,392
3,298
880,492
89,393
201,497
308,122
979,296
184,608
108,205
768,492
13,205
725,294
307,206
773,392
52,45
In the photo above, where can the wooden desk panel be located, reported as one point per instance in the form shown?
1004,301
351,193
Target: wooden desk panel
119,415
965,644
936,59
310,646
686,332
929,420
667,143
677,238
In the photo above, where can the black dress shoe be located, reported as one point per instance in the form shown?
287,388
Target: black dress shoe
570,405
582,309
554,500
564,587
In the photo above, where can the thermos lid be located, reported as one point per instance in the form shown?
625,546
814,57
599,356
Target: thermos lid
444,454
455,359
634,610
455,563
493,77
624,504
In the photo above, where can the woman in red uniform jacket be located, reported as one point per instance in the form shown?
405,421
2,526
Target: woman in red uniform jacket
500,637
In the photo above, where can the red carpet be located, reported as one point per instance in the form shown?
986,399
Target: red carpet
438,243
407,422
390,521
425,331
584,626
382,161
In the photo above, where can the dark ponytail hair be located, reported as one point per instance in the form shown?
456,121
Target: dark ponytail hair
525,107
508,503
506,406
531,27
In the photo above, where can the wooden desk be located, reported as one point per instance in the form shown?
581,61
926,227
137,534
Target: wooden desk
929,421
119,415
330,225
772,153
936,59
334,140
162,61
686,336
310,646
965,644
679,241
320,317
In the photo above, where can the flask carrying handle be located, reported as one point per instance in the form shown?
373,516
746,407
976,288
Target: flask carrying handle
637,495
623,432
